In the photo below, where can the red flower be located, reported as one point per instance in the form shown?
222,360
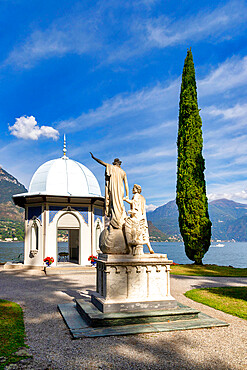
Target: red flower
92,258
49,260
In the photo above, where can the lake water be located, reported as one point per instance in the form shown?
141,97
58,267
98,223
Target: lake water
234,254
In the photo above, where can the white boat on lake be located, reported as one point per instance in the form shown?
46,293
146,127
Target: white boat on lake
219,245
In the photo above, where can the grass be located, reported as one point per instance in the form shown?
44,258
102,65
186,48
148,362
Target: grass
12,331
231,300
208,270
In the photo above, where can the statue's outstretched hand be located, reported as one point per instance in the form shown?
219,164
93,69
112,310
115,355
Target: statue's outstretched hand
98,160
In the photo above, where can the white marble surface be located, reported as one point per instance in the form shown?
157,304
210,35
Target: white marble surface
130,259
126,278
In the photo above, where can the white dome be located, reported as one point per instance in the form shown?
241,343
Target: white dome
66,177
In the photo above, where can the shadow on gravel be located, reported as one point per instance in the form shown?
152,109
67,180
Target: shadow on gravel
154,352
53,347
211,281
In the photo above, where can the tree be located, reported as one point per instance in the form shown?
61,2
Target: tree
194,222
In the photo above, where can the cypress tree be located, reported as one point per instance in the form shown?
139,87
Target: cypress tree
191,199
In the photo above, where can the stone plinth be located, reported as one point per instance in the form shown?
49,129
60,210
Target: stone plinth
127,283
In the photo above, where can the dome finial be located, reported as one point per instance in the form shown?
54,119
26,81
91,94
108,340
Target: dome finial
64,146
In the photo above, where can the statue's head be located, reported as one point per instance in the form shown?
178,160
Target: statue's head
117,162
137,189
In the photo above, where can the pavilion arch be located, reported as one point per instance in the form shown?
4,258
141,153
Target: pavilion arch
68,220
71,222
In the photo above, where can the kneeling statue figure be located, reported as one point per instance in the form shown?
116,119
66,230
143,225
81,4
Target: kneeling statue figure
136,226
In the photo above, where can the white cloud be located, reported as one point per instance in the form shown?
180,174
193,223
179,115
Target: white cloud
227,148
150,207
237,111
151,131
27,128
221,23
230,74
229,123
75,34
233,189
90,32
153,99
150,155
240,196
162,98
137,136
165,32
154,169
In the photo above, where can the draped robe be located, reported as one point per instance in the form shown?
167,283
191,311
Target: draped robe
138,205
114,194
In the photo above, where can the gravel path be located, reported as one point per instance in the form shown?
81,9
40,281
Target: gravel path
52,346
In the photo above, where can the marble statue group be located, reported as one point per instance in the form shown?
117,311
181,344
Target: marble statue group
124,234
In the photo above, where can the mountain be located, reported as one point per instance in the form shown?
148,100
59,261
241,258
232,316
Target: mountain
229,219
9,186
225,216
165,218
238,229
155,234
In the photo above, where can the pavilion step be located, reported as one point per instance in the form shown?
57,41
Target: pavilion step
62,270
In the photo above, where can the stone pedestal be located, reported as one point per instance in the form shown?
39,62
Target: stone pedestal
127,283
133,296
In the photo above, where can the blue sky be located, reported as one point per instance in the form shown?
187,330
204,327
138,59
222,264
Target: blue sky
108,75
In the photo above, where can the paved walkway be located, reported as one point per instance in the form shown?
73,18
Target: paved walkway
53,348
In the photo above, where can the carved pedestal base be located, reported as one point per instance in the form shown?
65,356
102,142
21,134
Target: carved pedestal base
133,297
133,283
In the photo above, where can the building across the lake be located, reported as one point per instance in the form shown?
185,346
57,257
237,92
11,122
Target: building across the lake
63,195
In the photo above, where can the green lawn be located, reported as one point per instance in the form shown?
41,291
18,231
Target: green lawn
12,332
232,300
208,270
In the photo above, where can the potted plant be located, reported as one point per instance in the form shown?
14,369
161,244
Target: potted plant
48,261
92,259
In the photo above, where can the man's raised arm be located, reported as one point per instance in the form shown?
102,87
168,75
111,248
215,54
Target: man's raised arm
98,160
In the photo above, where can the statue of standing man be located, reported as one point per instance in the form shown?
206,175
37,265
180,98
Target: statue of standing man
115,181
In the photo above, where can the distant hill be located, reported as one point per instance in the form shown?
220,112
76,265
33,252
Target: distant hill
165,218
225,216
155,234
237,229
229,219
9,186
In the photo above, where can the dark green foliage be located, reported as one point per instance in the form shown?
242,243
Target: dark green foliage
11,229
155,234
194,223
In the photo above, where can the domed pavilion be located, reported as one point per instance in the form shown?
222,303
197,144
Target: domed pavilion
63,195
